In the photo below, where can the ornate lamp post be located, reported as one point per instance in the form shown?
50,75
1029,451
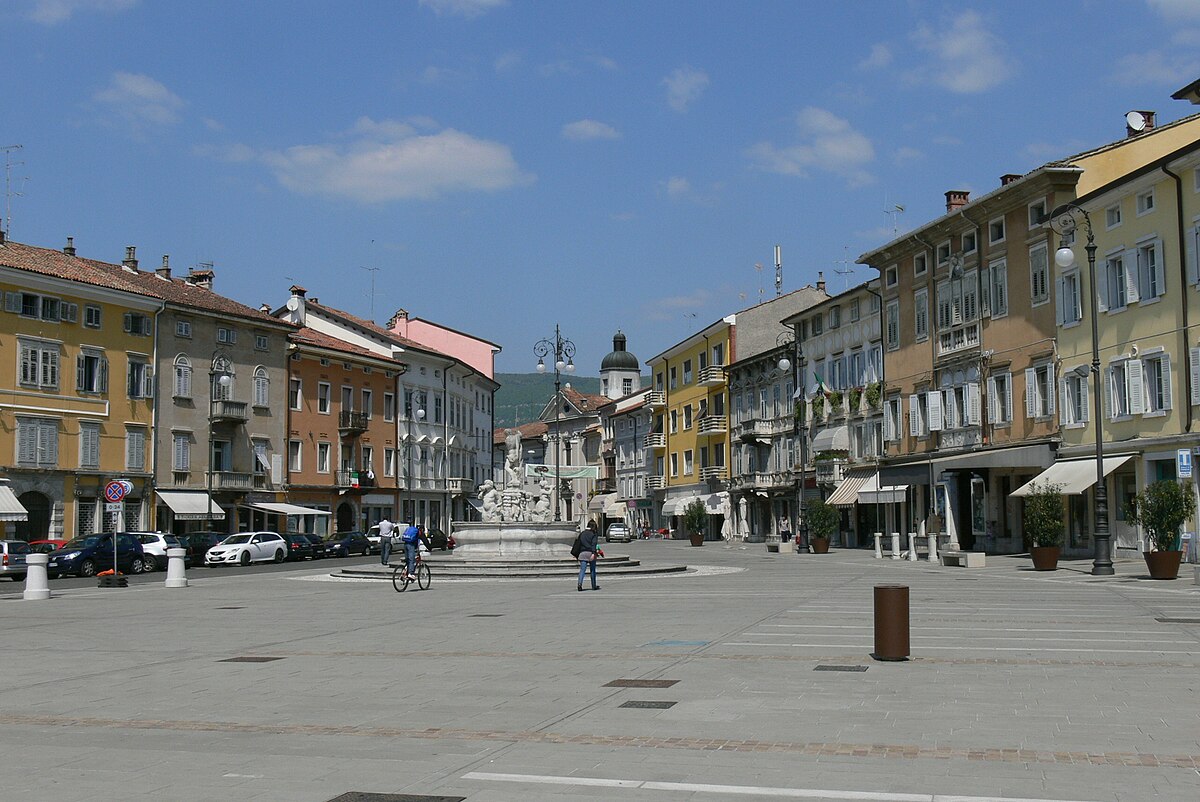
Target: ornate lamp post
220,377
419,414
790,338
563,352
1064,222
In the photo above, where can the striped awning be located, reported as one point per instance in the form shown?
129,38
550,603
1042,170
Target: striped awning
874,493
846,493
10,508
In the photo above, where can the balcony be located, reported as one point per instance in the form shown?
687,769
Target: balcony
830,471
231,481
712,425
712,376
226,411
967,437
352,422
656,440
354,479
655,399
765,480
959,338
656,482
712,472
458,485
764,428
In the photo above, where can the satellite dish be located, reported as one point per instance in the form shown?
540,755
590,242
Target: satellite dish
1135,120
293,303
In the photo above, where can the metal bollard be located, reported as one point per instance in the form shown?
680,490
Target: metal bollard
37,584
895,545
912,547
879,545
891,622
175,570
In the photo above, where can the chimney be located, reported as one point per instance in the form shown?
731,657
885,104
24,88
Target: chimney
956,199
1,236
295,305
165,270
1139,122
130,262
820,281
1008,178
202,278
393,323
69,248
298,291
265,308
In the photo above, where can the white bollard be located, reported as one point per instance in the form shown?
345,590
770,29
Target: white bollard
912,547
175,571
879,545
895,545
37,584
933,555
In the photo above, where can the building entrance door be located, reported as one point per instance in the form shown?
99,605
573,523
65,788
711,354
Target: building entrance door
37,527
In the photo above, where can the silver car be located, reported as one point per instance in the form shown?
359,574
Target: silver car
618,532
12,559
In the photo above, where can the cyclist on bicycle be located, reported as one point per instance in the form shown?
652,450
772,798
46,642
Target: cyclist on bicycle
413,535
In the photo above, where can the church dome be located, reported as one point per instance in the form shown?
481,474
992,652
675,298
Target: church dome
619,358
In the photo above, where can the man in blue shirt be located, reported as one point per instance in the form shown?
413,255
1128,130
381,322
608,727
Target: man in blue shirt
412,537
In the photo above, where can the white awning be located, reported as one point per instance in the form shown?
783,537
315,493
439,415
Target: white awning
287,509
10,508
1075,476
832,438
675,506
846,493
600,501
615,509
873,493
191,505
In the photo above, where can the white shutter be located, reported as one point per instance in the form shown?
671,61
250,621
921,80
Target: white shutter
1166,380
1194,364
12,302
1137,395
948,409
914,416
1049,389
985,291
1110,407
26,441
1133,271
1101,288
974,411
993,401
1084,401
1030,393
1059,287
934,400
1064,403
92,445
1193,255
889,421
1160,276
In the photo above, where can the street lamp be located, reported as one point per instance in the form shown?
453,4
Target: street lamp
563,352
412,502
220,377
1063,221
790,338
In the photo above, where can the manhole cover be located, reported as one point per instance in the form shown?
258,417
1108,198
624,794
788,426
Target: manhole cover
1178,620
641,683
649,705
249,659
840,668
364,796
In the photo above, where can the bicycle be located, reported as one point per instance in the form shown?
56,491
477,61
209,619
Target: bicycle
401,578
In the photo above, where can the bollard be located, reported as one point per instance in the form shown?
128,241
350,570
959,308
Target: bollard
175,569
879,545
912,547
891,622
895,545
933,555
37,584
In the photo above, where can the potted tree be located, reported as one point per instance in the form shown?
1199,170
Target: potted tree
1044,525
822,521
695,520
1161,509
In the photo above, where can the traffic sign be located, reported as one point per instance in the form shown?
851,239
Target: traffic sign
112,507
115,491
1183,463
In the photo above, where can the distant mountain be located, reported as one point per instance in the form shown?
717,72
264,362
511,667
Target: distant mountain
522,395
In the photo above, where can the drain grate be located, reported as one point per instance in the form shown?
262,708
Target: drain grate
249,659
365,796
650,705
486,615
840,668
641,683
1178,620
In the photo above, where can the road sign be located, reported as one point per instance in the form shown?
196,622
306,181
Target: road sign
1183,463
112,506
115,491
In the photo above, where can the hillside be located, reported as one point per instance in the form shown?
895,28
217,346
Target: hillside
522,395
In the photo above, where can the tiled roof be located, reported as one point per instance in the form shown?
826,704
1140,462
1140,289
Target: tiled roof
584,402
58,264
529,431
372,327
316,339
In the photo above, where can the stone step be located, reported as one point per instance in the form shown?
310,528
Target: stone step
481,571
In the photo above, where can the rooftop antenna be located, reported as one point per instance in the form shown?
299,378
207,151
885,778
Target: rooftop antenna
778,272
9,194
846,270
372,271
758,267
892,210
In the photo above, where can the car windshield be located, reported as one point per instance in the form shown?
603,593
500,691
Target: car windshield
82,543
335,538
233,540
173,542
19,547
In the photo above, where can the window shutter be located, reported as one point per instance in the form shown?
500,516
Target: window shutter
1193,255
985,291
1030,393
934,401
70,313
1137,395
80,375
128,321
12,302
1160,276
1084,400
1166,380
974,413
47,443
147,383
1101,288
914,416
1059,297
889,423
1049,389
1007,412
1133,272
993,401
26,442
1064,403
1194,364
1109,406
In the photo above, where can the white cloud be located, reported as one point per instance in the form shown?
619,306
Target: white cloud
677,187
233,154
463,8
582,130
685,85
139,100
881,56
967,58
1156,67
387,161
828,142
1176,9
905,154
52,12
673,306
507,61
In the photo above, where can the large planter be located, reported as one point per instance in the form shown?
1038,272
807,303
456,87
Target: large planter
1163,564
696,538
1045,558
820,545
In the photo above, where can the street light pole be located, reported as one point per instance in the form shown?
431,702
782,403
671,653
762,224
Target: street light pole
801,421
563,352
412,500
220,374
1063,221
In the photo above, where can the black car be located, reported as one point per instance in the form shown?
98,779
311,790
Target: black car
300,547
343,544
87,555
198,544
318,545
439,540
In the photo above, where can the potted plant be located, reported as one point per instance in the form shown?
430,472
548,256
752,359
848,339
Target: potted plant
695,519
1161,509
1044,525
835,401
855,396
818,406
822,520
874,393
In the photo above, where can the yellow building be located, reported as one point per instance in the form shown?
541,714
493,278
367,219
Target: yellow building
76,392
689,438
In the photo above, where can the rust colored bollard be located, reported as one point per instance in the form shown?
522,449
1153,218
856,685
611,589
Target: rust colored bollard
891,622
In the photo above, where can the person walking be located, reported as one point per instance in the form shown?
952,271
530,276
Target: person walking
386,528
587,556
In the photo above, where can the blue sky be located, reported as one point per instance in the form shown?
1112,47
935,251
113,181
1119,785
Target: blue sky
509,165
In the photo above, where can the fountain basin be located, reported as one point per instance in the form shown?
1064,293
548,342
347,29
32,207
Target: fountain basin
513,540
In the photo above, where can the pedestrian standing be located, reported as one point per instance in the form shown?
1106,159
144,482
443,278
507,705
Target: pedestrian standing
386,528
587,555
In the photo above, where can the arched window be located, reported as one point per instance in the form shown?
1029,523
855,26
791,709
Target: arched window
262,387
183,377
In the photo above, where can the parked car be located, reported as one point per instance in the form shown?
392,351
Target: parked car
373,538
300,547
154,547
617,532
343,544
440,540
12,559
318,544
45,546
198,544
89,554
247,547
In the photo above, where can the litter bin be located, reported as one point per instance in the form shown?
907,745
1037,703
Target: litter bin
891,622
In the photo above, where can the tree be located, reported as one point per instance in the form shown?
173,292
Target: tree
1161,509
695,517
822,519
1044,515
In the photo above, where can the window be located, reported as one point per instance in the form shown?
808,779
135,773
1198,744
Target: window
262,342
687,462
262,387
39,364
226,335
674,377
437,409
893,325
1069,306
91,317
1151,280
37,442
687,371
891,277
920,264
718,354
389,462
294,455
389,406
917,415
674,464
891,420
323,451
1118,285
140,379
835,317
996,231
687,417
183,328
970,242
626,386
182,387
943,254
921,314
1037,213
1156,373
89,445
1075,399
1039,272
817,325
28,304
674,421
998,281
1000,399
294,393
135,449
137,323
1126,389
855,310
1145,202
91,372
367,406
1112,216
1039,391
182,455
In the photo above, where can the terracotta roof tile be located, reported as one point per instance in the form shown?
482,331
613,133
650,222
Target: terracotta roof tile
529,431
372,327
316,339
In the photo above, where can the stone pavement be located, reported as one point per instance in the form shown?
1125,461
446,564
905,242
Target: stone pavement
1023,686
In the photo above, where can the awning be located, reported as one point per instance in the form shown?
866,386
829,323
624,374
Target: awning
10,508
675,506
191,505
600,501
1035,456
1075,476
287,509
615,509
846,493
715,503
872,492
832,438
909,473
474,502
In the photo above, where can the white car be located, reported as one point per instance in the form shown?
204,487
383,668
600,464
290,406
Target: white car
154,548
618,531
247,547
